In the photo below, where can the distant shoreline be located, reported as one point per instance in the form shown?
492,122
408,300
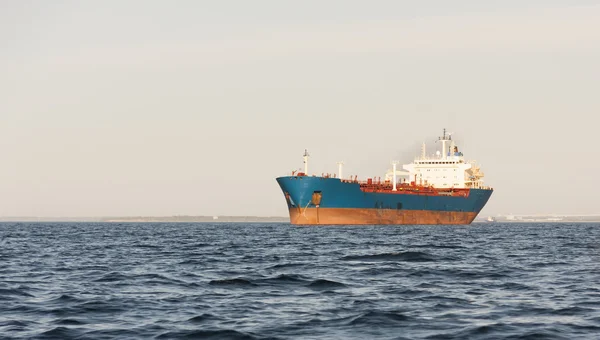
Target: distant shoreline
255,219
146,219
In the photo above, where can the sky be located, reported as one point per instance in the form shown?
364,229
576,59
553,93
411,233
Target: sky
159,108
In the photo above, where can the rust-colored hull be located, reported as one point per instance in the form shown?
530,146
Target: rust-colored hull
336,216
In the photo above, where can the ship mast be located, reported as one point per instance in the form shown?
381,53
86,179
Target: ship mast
394,179
340,164
445,138
306,155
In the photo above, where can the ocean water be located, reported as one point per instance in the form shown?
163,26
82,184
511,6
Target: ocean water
276,281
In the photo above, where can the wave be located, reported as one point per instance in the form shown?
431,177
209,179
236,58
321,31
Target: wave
207,334
498,329
380,318
479,274
276,280
60,332
286,265
14,292
69,322
574,311
203,318
548,264
439,246
154,278
194,246
231,282
112,277
514,286
406,256
101,306
64,298
379,270
325,284
201,260
16,325
147,246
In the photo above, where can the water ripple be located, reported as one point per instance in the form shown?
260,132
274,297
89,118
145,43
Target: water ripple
275,281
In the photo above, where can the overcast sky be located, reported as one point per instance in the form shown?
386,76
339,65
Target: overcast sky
194,107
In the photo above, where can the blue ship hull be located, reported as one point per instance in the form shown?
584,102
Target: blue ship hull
321,200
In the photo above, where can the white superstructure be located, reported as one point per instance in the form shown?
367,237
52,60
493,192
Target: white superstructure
445,169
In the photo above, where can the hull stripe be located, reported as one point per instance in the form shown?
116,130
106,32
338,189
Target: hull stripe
337,216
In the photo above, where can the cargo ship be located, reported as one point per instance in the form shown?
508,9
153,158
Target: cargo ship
440,188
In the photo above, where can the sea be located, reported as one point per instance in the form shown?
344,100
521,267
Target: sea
278,281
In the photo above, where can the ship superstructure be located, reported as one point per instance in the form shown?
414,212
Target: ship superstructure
446,168
437,189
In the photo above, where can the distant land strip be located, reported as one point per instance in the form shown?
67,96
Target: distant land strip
176,218
283,219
